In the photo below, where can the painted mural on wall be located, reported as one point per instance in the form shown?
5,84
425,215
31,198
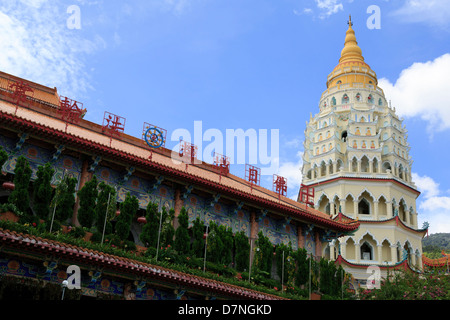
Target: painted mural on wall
279,231
223,214
37,156
145,191
310,244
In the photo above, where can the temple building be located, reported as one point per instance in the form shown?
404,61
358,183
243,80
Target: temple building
37,123
357,160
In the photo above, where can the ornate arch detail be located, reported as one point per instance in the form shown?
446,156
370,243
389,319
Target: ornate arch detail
335,197
370,234
348,238
349,193
404,201
385,198
365,190
320,198
376,157
386,239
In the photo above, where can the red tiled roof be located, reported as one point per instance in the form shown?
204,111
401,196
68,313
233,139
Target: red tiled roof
126,265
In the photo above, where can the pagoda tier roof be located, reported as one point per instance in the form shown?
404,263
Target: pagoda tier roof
342,217
399,265
44,122
363,178
125,266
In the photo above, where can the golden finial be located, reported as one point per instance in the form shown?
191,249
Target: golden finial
350,23
351,51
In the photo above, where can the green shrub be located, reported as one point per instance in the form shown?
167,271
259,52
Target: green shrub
182,239
43,191
263,254
198,232
20,196
149,234
11,207
242,248
128,209
64,198
106,205
88,199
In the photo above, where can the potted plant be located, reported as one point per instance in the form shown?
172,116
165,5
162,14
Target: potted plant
315,296
9,212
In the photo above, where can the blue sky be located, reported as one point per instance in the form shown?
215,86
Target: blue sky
241,64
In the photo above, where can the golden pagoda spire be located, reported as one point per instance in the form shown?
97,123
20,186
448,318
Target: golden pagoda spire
351,51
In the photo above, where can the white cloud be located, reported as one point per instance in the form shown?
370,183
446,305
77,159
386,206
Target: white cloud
37,45
426,185
422,90
432,206
329,7
431,12
291,170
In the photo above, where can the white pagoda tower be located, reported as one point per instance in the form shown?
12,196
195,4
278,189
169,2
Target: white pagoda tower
357,160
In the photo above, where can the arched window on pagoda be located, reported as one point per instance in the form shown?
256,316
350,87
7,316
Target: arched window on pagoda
358,97
370,99
363,207
366,251
345,99
380,102
333,101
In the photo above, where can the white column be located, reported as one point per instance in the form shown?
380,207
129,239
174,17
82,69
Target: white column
389,209
394,254
342,204
332,256
380,253
375,209
332,209
357,253
413,259
343,249
419,261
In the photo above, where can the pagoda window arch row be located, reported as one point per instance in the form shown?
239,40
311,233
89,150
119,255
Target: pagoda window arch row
402,202
382,195
323,204
347,195
386,239
386,165
345,240
367,233
368,192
